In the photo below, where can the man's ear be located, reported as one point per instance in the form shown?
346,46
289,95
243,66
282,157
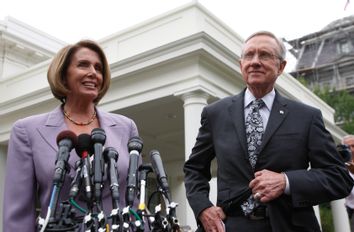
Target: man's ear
281,66
240,62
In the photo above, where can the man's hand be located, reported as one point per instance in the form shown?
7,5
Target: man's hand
211,218
267,185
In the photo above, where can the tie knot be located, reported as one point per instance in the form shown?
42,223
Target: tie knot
257,104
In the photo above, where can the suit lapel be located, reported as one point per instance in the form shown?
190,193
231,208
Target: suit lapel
277,115
236,110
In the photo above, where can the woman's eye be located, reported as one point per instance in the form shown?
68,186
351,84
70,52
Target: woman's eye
83,64
98,68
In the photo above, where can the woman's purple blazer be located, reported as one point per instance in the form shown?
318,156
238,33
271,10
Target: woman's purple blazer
31,156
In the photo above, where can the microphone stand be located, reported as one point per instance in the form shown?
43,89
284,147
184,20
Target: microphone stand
171,223
170,210
126,219
116,214
171,217
101,221
171,206
160,223
116,219
144,170
65,220
89,221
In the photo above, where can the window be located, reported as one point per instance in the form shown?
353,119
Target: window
349,81
343,46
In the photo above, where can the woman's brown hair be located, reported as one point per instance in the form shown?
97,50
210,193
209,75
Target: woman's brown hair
58,68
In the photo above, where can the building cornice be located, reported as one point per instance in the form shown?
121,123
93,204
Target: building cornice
29,37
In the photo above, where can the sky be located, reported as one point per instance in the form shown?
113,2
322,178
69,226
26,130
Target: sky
72,20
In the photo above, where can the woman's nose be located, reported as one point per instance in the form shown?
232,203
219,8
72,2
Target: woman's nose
93,70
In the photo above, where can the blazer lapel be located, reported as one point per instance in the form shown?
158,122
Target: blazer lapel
277,115
236,110
52,127
110,126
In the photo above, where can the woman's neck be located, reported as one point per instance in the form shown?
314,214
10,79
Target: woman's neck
80,118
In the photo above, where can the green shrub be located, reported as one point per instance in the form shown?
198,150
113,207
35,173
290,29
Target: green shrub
326,218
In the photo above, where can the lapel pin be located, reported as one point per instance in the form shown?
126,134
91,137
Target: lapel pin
281,111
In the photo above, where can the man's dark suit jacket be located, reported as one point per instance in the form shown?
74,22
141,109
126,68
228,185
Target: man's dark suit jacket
295,139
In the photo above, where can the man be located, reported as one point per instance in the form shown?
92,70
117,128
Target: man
349,200
263,149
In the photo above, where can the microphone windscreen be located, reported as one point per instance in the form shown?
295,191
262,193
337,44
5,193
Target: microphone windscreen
135,143
83,144
98,135
67,134
110,153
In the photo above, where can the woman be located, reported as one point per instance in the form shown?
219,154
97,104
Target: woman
79,77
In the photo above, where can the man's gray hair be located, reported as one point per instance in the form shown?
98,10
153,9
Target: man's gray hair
278,40
347,137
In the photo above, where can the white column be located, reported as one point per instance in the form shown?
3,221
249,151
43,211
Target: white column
340,216
3,150
194,103
316,208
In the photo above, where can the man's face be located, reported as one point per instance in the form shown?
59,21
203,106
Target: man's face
261,63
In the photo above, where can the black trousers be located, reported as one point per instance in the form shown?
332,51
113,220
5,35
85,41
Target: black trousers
244,224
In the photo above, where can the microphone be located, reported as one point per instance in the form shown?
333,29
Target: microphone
66,141
135,145
111,156
83,150
160,172
98,138
163,183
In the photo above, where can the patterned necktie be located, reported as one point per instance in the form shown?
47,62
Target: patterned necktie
254,133
254,130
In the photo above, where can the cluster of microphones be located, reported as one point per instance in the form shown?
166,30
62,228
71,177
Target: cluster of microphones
88,180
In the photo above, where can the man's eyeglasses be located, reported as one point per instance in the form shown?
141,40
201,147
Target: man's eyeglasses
262,56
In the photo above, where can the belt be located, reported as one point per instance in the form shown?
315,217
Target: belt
259,213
